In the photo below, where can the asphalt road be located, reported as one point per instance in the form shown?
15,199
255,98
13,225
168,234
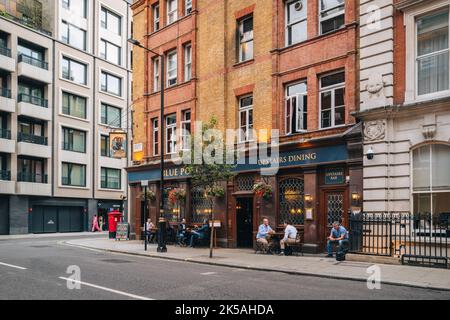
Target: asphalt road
37,269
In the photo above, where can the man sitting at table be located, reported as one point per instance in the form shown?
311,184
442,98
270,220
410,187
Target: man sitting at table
264,231
338,235
290,236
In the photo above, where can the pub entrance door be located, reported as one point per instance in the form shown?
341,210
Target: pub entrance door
334,208
244,222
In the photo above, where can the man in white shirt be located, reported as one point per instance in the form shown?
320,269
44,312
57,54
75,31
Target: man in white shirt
290,235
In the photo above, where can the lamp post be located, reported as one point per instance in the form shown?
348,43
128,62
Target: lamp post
162,221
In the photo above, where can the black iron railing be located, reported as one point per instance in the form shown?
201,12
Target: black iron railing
31,177
33,61
5,175
33,100
5,92
30,138
418,239
4,51
5,134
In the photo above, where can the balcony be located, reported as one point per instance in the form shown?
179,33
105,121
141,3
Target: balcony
31,145
6,185
6,103
34,69
33,184
33,107
6,61
6,144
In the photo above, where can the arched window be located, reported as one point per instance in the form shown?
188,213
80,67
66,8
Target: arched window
431,180
292,207
200,206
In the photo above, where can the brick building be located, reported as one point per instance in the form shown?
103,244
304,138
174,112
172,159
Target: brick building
256,65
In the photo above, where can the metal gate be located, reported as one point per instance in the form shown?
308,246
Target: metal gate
418,239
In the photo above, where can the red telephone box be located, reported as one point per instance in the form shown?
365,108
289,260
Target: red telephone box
114,217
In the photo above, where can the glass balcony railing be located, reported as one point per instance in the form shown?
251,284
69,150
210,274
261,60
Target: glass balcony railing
5,134
33,100
5,92
4,51
31,177
29,138
33,61
5,175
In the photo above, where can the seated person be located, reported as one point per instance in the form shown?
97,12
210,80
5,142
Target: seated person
181,234
149,227
290,236
338,235
201,233
263,234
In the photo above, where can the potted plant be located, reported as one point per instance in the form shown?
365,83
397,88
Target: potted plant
177,195
263,190
151,196
216,191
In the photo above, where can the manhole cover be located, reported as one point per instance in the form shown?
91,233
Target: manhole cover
116,261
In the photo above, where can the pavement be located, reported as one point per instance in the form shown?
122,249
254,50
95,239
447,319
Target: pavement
45,268
318,266
54,235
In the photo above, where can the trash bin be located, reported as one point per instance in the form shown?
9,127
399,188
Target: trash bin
114,217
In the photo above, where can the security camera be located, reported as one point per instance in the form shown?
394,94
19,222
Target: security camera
370,154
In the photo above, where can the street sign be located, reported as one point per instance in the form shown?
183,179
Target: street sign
144,183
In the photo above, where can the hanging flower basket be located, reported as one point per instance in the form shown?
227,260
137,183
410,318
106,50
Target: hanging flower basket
263,190
216,191
177,195
151,196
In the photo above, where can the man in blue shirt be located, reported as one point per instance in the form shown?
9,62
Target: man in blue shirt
264,231
338,235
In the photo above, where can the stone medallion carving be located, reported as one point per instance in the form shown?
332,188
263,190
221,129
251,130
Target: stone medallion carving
374,130
375,84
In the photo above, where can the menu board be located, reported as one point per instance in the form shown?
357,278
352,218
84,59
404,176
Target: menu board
123,231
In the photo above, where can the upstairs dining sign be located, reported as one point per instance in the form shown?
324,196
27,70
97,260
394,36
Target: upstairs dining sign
292,158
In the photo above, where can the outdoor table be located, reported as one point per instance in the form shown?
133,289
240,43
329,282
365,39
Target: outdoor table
274,241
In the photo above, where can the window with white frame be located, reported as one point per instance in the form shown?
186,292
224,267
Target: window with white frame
246,119
171,137
431,181
186,130
332,100
155,136
156,17
172,11
110,115
188,6
155,74
332,15
296,108
245,40
296,21
432,49
187,62
172,68
110,52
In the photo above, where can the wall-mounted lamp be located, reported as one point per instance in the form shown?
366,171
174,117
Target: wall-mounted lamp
308,200
355,199
370,154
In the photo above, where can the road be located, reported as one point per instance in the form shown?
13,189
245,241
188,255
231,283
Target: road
37,269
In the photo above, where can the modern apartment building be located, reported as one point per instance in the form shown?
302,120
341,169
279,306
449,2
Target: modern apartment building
405,106
267,64
66,84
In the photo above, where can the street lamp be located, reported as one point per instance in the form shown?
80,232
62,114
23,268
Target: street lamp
162,221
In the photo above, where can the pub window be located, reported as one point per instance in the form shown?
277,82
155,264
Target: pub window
291,194
332,15
332,100
245,40
296,108
171,138
246,119
186,130
155,137
431,182
200,206
296,14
